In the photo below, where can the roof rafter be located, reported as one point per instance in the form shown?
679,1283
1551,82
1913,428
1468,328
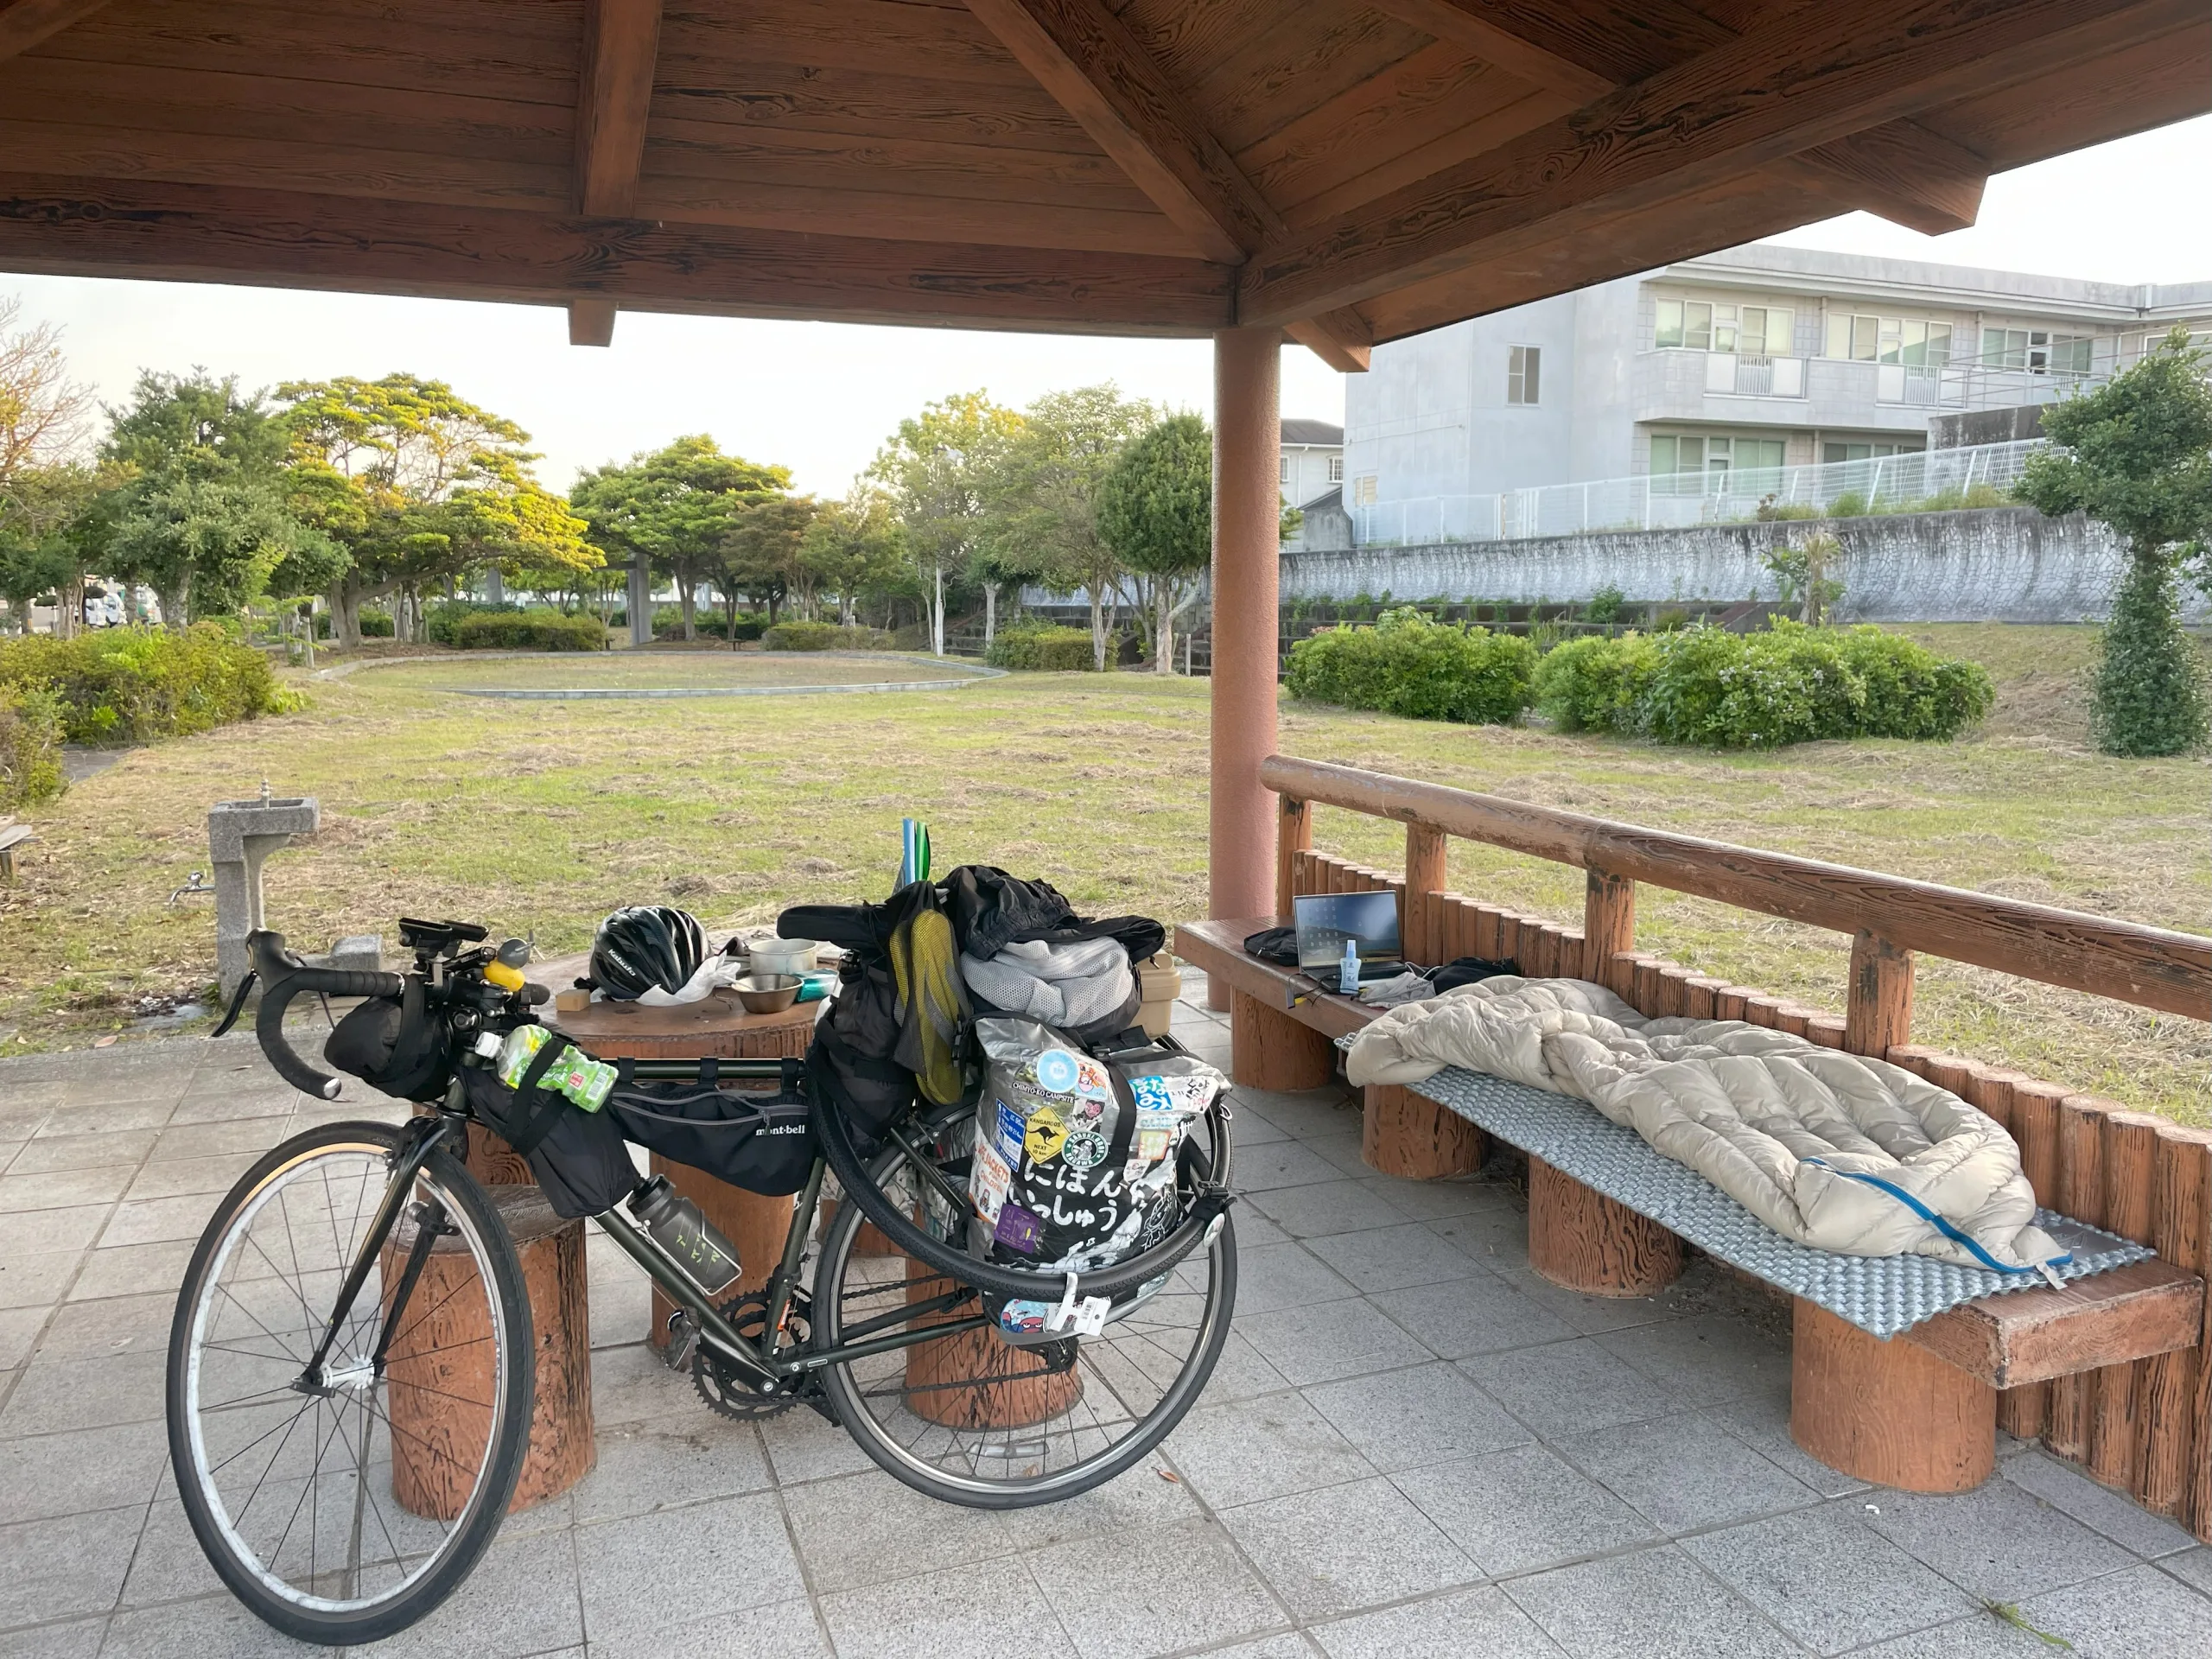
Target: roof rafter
24,23
614,92
1806,79
1341,339
1901,171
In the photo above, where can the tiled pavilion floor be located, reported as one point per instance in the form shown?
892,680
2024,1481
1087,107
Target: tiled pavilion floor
1414,1446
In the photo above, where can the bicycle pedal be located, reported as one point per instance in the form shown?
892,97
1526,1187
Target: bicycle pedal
683,1341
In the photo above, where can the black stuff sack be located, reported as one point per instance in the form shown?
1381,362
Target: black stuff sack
853,1066
752,1140
396,1044
581,1163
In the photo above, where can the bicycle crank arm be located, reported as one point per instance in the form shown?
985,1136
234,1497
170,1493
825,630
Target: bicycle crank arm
713,1329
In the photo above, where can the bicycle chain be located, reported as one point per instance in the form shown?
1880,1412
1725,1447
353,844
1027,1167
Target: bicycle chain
726,1391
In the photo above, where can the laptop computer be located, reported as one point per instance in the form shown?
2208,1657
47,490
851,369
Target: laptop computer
1325,920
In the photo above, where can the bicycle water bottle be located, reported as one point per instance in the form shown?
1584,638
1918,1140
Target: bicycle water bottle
708,1258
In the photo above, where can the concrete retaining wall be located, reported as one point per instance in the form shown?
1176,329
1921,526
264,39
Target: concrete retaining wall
2005,564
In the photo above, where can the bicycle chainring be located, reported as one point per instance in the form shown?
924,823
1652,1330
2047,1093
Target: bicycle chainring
726,1390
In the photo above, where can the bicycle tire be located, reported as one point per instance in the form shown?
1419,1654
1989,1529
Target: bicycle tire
850,1401
326,1620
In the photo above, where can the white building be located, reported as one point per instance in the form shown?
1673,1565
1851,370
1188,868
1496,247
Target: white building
1759,357
1312,482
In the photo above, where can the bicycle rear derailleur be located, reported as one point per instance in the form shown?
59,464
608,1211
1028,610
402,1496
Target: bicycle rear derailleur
720,1384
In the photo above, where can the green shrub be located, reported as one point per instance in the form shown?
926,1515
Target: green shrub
798,635
1593,684
1606,604
375,624
132,685
442,618
2149,695
1409,665
1045,648
1851,503
30,746
539,628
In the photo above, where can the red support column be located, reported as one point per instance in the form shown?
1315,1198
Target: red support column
1246,540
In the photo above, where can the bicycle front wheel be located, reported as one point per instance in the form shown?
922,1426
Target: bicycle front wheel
343,1500
971,1419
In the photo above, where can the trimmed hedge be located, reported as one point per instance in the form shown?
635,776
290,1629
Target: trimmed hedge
131,685
816,636
441,619
1795,684
1046,649
30,746
539,628
1410,664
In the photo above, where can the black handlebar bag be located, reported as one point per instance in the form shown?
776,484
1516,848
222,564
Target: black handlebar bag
395,1044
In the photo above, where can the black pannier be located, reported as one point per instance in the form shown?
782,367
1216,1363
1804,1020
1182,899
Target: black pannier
579,1158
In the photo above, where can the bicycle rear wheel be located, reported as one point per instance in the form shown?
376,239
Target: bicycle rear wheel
343,1501
971,1419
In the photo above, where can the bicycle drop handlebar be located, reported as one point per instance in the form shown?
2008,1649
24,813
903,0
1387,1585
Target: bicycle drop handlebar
284,976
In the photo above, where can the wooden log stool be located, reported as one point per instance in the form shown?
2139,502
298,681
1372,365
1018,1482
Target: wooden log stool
1581,1240
1890,1412
717,1027
441,1362
1408,1135
1269,1050
947,1380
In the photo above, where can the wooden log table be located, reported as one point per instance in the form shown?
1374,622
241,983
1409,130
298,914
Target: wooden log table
716,1027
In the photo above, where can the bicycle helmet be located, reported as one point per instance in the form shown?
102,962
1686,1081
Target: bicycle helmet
642,946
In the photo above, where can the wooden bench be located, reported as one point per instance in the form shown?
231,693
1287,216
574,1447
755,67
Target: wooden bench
12,835
1918,1412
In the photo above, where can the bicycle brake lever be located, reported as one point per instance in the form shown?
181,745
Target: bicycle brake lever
238,1005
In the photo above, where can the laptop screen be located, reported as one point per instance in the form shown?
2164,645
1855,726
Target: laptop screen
1325,920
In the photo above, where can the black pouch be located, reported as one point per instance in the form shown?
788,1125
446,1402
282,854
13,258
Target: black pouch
762,1143
579,1158
853,1063
395,1045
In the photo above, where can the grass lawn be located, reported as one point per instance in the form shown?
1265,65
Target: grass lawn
656,671
538,816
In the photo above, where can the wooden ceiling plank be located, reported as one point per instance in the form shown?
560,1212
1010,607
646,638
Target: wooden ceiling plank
1908,177
591,323
1083,55
900,215
184,232
615,97
24,23
1807,79
1306,56
1340,338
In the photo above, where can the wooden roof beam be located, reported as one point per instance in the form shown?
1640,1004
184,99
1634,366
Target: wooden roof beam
614,92
1340,338
1096,70
24,23
1901,171
1807,79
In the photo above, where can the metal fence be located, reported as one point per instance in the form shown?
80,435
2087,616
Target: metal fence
1679,500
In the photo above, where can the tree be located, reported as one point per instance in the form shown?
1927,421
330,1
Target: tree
1048,503
672,506
940,467
1155,512
44,546
41,486
2136,453
853,545
758,555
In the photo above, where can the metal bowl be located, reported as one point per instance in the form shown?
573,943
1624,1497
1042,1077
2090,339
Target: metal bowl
767,993
784,955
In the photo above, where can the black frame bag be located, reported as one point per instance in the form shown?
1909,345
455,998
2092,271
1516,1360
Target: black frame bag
763,1143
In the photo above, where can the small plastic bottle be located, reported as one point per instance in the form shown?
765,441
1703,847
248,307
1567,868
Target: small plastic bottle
1348,969
586,1082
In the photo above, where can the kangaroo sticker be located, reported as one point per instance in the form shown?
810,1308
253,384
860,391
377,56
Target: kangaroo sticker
1046,1133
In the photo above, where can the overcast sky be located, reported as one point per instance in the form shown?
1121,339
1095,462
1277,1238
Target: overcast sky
820,397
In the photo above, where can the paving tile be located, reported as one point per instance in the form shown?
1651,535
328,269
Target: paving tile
1306,1112
84,1469
1468,1624
83,1151
1713,1357
255,1135
634,1385
1999,1542
1343,1148
78,1639
1141,1593
131,1269
1254,1230
650,1571
1278,1164
198,1630
653,1465
1827,1580
1321,1343
1761,1420
1284,1275
1402,1420
1250,1128
946,1616
1521,1510
183,1175
63,1394
803,1447
1686,1473
43,1232
160,1221
1493,1237
2137,1614
786,1630
1981,1634
1591,1314
1478,1314
1392,1258
1241,1374
134,1110
1347,1548
520,1598
1656,1604
1149,1496
168,1565
64,1568
2193,1567
1568,1389
1451,1199
37,1280
864,1530
237,1102
59,1189
1288,1645
621,1308
1337,1205
2114,1514
1261,1448
19,1329
124,1325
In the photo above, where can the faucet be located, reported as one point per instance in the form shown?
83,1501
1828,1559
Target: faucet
197,884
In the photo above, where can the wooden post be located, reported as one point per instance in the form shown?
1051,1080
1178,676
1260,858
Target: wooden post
1247,551
1647,992
2169,1436
1608,921
1425,850
2026,1411
1407,1136
1268,1049
1674,990
1878,1008
2130,1164
1730,1001
1583,1240
1826,1029
1887,1412
2080,1195
1294,835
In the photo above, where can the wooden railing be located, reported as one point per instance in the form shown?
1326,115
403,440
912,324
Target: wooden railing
2145,1428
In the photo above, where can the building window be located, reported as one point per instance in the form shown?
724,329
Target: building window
2037,351
1703,463
1832,453
1363,490
1914,341
1521,370
1700,325
1285,475
1336,469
